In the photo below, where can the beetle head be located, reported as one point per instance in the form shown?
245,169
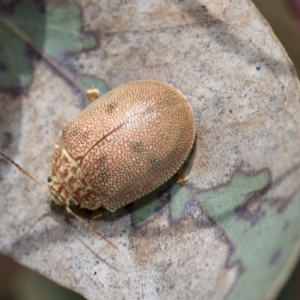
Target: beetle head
59,194
67,183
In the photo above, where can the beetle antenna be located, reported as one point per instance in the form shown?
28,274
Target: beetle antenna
69,211
88,226
23,171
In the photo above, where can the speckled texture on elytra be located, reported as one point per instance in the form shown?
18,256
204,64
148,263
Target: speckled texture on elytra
123,145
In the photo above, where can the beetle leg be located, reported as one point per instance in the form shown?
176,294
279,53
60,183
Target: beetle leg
92,94
181,177
96,214
88,226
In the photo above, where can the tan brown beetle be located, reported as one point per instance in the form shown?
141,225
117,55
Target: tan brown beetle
122,146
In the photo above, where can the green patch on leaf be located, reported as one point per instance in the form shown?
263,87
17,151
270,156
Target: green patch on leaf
263,239
179,196
50,32
146,207
221,202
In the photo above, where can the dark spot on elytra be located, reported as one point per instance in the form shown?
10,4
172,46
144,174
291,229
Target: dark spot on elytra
153,163
137,147
111,107
103,170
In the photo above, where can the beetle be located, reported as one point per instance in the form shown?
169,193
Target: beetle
122,146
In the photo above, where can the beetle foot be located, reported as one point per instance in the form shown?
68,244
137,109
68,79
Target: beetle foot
96,214
92,94
181,178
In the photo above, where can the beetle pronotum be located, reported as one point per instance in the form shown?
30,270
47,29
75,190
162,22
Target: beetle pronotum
121,147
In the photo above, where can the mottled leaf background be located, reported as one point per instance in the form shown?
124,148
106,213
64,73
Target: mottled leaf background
284,17
19,283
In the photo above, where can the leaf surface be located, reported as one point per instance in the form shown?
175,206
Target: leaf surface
233,230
